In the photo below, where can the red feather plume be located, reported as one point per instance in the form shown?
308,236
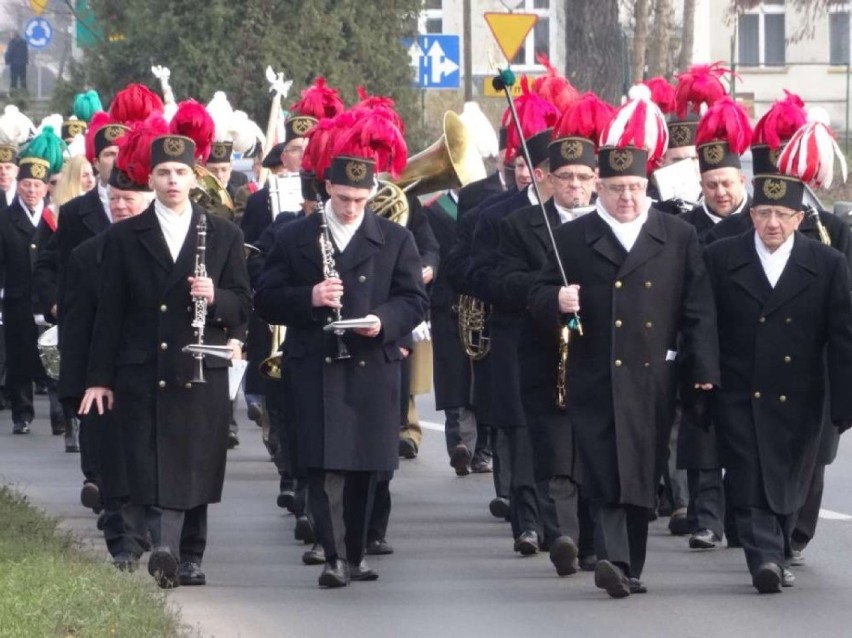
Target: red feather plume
371,102
662,94
319,101
134,147
701,84
374,136
98,121
535,115
193,121
725,121
321,139
781,121
587,117
554,87
134,103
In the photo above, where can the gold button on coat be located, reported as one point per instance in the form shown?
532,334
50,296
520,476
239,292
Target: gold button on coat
328,359
618,284
757,395
162,384
187,385
787,359
782,398
762,320
361,364
649,324
163,308
618,323
164,346
362,278
648,284
618,363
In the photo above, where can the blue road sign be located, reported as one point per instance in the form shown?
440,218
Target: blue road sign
38,33
435,60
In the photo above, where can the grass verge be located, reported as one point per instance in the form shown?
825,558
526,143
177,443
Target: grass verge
52,588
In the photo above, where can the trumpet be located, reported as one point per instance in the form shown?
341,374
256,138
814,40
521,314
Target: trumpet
472,316
270,368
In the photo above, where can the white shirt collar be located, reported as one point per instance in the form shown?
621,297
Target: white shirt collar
341,233
774,262
716,218
175,226
531,195
565,214
10,194
35,215
103,195
625,232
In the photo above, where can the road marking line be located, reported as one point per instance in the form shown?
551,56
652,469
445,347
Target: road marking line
431,425
834,516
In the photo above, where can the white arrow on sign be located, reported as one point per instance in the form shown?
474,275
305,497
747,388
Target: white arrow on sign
414,54
440,64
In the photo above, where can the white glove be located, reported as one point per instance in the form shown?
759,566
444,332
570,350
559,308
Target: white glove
421,333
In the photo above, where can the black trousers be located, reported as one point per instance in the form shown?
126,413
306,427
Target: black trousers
184,532
523,495
377,529
90,446
804,521
126,527
621,535
17,76
20,389
341,503
502,468
706,508
764,536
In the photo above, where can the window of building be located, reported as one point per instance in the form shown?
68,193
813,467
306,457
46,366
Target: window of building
538,41
431,18
838,34
761,35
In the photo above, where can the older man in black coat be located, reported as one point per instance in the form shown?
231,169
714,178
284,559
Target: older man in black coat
346,410
783,305
174,431
637,277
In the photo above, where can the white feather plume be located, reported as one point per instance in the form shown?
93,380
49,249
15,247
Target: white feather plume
811,153
54,119
481,129
245,132
15,127
222,113
77,146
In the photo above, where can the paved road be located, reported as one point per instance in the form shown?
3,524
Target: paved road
453,573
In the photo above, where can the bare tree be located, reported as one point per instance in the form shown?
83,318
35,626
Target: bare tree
641,13
687,36
595,55
658,46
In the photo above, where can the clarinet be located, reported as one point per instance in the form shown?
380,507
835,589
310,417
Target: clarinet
200,319
329,271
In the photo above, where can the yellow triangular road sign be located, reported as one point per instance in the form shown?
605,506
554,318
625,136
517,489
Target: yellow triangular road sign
510,30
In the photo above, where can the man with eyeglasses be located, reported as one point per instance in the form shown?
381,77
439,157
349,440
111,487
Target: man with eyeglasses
524,247
784,309
636,278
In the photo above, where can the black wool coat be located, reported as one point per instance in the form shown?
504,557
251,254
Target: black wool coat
346,412
524,250
768,411
635,307
175,432
18,249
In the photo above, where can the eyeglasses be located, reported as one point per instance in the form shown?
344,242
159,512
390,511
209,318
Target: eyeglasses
570,177
620,189
781,215
295,150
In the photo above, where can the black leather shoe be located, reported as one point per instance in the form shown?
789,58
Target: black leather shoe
101,521
527,543
255,413
767,579
378,547
190,573
678,523
304,531
460,459
637,586
588,563
57,425
126,562
335,574
233,440
499,508
704,539
611,578
788,579
314,556
286,500
90,495
481,464
362,571
563,555
21,427
407,448
163,566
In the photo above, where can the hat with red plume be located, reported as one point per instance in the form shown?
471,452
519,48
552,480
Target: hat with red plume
554,87
681,129
808,158
317,102
193,121
373,144
133,163
134,103
575,138
636,137
379,103
724,133
537,118
662,93
102,133
774,129
699,86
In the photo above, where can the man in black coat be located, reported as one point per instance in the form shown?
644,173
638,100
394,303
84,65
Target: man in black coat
346,409
220,165
102,456
529,529
784,308
18,248
637,278
525,245
174,431
17,58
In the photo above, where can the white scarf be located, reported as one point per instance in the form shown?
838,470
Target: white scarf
34,215
565,214
103,195
341,233
625,232
175,226
773,262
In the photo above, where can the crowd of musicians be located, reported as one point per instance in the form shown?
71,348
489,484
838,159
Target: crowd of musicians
616,324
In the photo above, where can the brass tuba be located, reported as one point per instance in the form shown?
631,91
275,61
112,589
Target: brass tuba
472,316
211,195
451,161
